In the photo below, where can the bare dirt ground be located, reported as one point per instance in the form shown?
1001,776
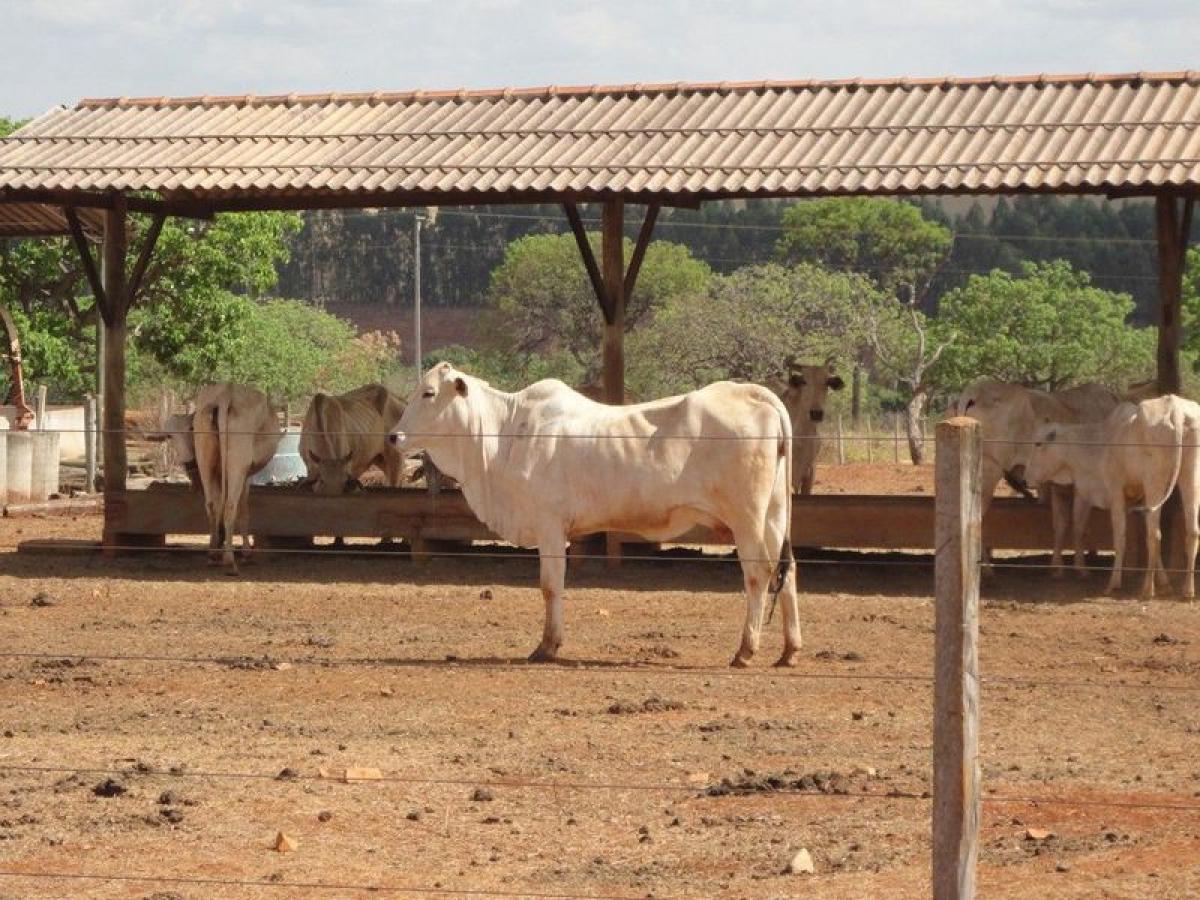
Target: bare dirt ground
659,772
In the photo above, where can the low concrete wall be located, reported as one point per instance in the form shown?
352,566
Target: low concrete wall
67,420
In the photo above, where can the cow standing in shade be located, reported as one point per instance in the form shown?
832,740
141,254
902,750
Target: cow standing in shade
233,434
1139,454
343,436
804,397
1008,416
545,464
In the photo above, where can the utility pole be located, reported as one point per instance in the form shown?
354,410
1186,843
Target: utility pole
430,216
418,220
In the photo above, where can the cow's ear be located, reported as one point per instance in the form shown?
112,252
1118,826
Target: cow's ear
460,385
835,382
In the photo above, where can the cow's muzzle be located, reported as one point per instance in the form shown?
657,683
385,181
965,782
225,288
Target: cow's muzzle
1015,477
817,415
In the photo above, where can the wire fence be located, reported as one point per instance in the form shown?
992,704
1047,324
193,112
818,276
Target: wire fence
1170,807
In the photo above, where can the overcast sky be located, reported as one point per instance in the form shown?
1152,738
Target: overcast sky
58,51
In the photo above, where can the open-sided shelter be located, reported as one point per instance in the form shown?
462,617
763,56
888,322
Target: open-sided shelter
647,145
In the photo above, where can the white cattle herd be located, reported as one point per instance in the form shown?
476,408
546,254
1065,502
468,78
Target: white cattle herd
547,465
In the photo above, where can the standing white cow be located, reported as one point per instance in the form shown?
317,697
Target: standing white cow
1139,453
1008,415
344,436
804,397
232,435
545,464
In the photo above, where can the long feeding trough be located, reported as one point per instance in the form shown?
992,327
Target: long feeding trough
1127,135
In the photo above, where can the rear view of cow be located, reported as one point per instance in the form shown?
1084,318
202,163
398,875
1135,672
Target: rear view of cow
343,436
804,397
235,434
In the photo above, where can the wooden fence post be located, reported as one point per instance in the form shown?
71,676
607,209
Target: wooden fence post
896,438
89,442
956,804
870,441
40,408
841,449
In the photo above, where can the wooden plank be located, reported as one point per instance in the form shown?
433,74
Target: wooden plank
612,238
589,258
956,775
143,260
84,249
819,520
639,250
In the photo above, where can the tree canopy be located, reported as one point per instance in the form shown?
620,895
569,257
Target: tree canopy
1048,327
889,241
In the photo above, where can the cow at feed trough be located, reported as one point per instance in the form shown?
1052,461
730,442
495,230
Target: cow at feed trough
545,464
1141,452
343,436
804,398
232,435
1008,416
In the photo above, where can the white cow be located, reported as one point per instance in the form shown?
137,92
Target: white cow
545,464
1139,453
1008,415
804,397
344,436
232,435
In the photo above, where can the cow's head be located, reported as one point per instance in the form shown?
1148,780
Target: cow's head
1048,460
807,389
438,412
326,449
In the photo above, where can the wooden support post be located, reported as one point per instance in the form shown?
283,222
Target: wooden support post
870,442
89,442
612,253
1172,246
841,449
115,309
896,438
956,778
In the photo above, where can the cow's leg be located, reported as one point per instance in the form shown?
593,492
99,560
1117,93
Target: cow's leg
244,519
235,485
756,575
1059,518
393,465
553,558
1081,511
806,482
1153,518
788,601
1117,513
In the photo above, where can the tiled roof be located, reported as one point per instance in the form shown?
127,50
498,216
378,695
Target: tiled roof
1133,132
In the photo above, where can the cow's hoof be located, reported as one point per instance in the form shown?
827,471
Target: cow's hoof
740,662
787,660
543,655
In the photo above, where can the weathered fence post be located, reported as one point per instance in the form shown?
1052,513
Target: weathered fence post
40,408
956,805
896,438
89,443
841,449
870,441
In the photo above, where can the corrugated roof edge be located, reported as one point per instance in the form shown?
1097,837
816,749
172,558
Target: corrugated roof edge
1186,76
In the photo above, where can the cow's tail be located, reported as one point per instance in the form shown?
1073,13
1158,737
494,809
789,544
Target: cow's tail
1178,423
787,558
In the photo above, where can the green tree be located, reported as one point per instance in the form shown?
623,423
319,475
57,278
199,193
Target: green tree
889,241
543,302
190,311
1047,327
747,324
